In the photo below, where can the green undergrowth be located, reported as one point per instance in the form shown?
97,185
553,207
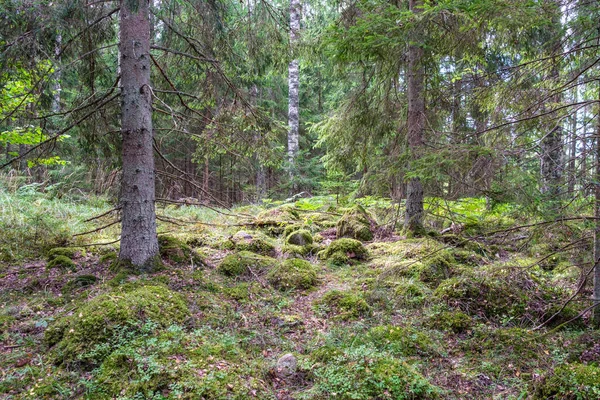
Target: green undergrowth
448,316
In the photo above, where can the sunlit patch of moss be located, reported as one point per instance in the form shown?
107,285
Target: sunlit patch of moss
410,292
404,341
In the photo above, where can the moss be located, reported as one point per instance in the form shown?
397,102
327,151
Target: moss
570,382
254,242
342,251
93,329
433,270
293,273
276,219
364,373
153,264
176,252
289,229
452,321
244,263
78,282
344,305
503,295
405,341
108,258
355,224
300,237
62,262
411,292
69,252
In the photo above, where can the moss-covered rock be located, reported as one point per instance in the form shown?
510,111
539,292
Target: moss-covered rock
61,262
69,252
356,224
244,263
301,237
344,305
293,273
343,251
91,332
175,251
570,382
255,242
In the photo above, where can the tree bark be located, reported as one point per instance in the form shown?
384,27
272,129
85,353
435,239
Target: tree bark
293,96
416,122
596,292
139,243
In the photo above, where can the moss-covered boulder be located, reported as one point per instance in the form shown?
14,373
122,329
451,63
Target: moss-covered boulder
356,224
62,262
301,237
245,263
94,329
343,305
293,273
570,382
176,252
255,242
343,251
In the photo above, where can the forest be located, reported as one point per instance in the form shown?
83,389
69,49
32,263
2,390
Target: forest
300,199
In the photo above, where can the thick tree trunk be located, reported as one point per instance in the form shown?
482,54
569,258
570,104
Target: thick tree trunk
416,122
139,244
293,86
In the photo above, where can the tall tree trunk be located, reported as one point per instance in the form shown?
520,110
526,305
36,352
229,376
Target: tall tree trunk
552,143
416,122
572,151
139,243
293,86
596,292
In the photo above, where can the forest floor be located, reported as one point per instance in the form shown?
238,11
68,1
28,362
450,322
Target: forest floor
449,315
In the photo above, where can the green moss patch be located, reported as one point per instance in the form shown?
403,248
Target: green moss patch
364,373
450,321
276,219
245,263
343,305
404,341
176,252
255,242
356,224
570,382
78,282
69,252
293,273
343,251
62,262
93,329
301,237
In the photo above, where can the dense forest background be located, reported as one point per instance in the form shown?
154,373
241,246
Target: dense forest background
329,199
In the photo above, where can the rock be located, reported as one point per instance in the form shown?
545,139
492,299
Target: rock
287,365
356,224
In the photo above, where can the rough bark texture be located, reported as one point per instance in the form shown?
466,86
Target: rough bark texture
139,244
293,86
596,293
416,123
